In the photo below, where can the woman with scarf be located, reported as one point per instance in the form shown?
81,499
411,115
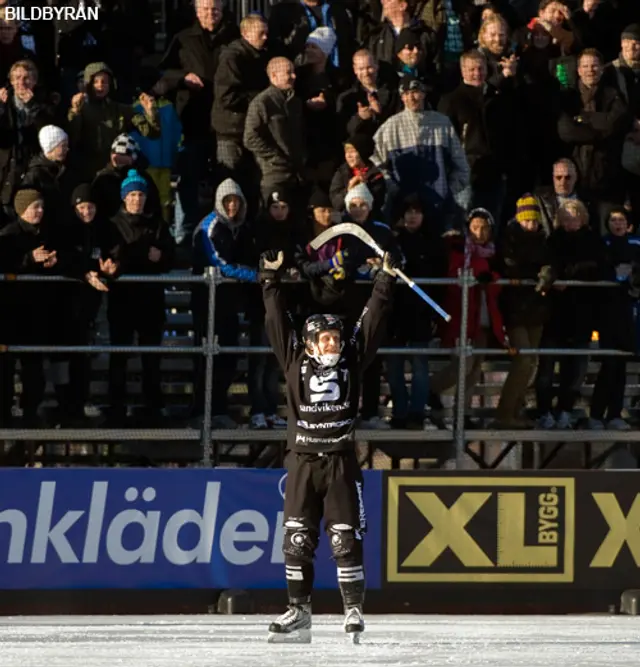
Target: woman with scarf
475,252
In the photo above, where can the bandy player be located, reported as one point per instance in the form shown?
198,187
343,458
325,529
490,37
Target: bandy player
323,375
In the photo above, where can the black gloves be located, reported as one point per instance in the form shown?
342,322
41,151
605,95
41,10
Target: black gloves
270,264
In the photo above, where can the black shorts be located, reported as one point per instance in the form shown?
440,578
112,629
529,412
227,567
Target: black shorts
328,486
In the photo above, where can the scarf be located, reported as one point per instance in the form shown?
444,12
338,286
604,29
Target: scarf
471,250
588,96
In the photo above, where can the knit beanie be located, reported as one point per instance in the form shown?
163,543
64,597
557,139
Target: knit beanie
123,144
24,199
363,143
279,196
82,194
480,213
361,191
324,38
632,32
320,199
51,136
408,38
527,209
133,183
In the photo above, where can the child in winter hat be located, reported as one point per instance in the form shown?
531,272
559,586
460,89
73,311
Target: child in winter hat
528,212
361,191
134,182
51,136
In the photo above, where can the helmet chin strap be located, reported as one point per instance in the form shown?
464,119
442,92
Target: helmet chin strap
328,359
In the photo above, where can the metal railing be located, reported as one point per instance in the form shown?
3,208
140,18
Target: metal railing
210,348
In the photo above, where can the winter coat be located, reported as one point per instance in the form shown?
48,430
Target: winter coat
55,180
617,74
421,153
460,258
487,123
127,241
161,152
374,180
241,75
106,188
194,50
593,139
290,23
382,43
19,140
93,129
521,255
576,256
274,133
425,257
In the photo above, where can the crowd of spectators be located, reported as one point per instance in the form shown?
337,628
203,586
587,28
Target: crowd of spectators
499,137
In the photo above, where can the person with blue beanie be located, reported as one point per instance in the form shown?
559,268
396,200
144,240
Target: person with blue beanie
136,243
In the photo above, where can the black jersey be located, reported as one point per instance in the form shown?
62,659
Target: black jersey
323,402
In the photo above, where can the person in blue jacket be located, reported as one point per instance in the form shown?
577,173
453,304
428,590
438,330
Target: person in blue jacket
223,239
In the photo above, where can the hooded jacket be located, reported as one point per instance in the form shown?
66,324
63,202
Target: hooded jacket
224,243
99,121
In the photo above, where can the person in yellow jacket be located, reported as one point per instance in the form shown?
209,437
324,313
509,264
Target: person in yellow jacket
95,119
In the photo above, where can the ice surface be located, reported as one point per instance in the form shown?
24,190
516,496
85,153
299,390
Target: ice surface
236,641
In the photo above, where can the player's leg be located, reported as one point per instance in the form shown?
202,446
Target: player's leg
346,524
302,515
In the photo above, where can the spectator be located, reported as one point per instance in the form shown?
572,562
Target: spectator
27,247
524,255
383,41
487,122
23,113
436,170
550,198
502,63
223,240
107,185
356,169
555,16
370,100
291,22
240,76
411,60
141,244
316,86
593,123
474,252
452,23
162,152
274,132
48,173
615,327
578,254
190,65
412,325
81,236
95,119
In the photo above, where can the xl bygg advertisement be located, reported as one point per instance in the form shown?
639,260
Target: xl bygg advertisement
566,530
128,528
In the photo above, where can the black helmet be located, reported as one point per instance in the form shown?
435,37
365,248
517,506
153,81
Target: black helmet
315,325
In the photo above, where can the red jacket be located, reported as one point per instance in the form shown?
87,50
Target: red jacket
453,300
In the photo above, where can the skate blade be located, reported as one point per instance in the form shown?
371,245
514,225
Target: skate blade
354,637
295,637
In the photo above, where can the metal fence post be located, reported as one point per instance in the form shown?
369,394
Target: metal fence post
466,279
209,353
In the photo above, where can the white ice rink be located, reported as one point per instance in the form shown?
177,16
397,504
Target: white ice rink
236,641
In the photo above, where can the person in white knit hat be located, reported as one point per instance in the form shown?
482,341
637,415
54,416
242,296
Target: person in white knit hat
324,39
54,142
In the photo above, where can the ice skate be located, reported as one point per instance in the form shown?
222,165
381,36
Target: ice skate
292,627
354,624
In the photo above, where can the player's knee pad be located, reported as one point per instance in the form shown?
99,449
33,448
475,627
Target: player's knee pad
299,543
346,543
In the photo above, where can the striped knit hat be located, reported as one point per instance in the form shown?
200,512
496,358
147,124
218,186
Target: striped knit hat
527,209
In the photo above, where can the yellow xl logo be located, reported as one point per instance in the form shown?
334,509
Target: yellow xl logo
503,529
622,530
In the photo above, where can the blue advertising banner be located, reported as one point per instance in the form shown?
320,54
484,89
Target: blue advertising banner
139,528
